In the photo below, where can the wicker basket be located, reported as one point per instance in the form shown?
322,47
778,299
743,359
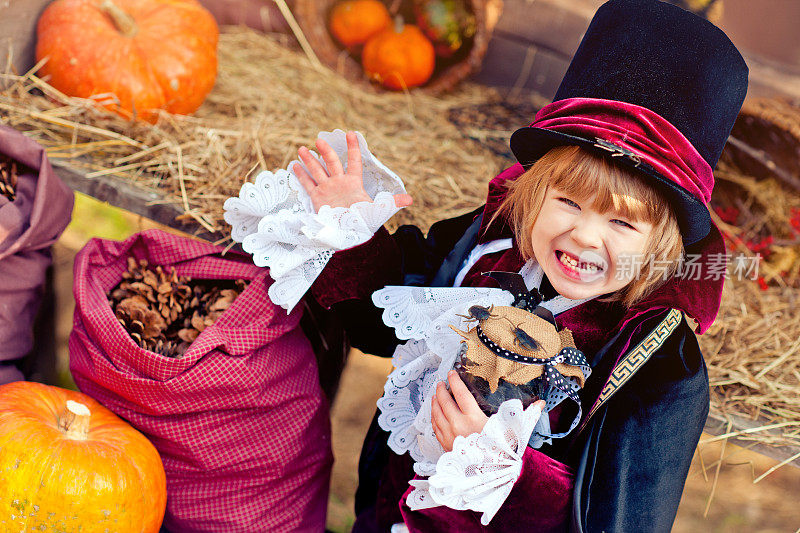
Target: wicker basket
312,16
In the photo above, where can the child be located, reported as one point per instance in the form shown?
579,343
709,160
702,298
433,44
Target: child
610,192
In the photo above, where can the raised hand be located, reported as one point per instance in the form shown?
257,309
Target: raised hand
335,187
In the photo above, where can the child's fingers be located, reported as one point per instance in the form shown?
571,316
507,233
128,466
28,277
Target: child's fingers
313,165
403,200
304,179
331,159
449,408
353,154
463,397
437,417
441,427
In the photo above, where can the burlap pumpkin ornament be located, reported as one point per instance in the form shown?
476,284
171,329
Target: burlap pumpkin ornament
519,352
509,331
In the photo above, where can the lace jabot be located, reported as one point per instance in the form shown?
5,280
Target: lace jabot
482,468
275,221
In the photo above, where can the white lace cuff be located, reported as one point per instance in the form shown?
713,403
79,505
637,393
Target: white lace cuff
275,221
427,312
480,472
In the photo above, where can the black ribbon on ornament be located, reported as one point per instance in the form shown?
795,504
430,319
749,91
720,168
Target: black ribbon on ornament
528,300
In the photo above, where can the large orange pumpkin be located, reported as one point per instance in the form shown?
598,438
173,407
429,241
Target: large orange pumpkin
399,57
69,464
149,54
352,22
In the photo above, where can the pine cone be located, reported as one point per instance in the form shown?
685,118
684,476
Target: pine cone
164,312
9,172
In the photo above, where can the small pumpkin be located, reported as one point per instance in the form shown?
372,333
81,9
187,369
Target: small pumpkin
399,57
447,23
69,464
353,22
148,54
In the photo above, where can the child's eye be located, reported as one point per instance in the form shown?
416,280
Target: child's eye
622,223
569,202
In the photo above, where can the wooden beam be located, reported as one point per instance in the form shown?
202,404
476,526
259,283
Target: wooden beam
126,195
718,425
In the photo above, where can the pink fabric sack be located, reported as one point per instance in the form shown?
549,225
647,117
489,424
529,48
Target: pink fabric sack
240,420
29,225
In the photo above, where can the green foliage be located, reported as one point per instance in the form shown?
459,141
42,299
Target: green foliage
93,218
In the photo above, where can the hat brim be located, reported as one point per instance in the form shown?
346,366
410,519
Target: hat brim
529,144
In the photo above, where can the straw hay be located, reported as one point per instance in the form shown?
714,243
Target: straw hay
269,100
753,349
753,357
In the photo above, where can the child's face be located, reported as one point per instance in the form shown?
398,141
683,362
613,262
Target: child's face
583,252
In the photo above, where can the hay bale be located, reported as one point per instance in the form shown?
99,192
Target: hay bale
753,349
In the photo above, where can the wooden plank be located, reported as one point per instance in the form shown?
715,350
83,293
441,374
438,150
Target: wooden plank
555,25
533,43
261,15
717,425
513,64
125,195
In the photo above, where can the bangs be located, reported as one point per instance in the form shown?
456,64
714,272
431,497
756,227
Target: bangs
580,174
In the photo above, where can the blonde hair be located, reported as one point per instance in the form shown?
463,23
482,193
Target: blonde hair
580,174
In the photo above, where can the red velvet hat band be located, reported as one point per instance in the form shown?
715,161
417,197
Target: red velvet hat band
636,129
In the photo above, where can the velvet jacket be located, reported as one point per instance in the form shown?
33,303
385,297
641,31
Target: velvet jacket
626,467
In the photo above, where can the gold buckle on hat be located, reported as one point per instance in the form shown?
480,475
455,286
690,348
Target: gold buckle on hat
616,150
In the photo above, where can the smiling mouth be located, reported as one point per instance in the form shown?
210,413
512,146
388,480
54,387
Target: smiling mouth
585,267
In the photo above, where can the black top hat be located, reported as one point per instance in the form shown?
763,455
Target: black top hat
668,60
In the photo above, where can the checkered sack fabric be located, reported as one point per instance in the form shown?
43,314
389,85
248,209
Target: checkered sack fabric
240,420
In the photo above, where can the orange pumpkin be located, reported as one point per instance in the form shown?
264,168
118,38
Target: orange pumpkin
399,57
354,21
69,464
148,54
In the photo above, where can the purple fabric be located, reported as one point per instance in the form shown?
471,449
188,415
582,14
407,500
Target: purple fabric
540,501
28,227
635,128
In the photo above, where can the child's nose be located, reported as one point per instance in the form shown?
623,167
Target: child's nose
586,234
